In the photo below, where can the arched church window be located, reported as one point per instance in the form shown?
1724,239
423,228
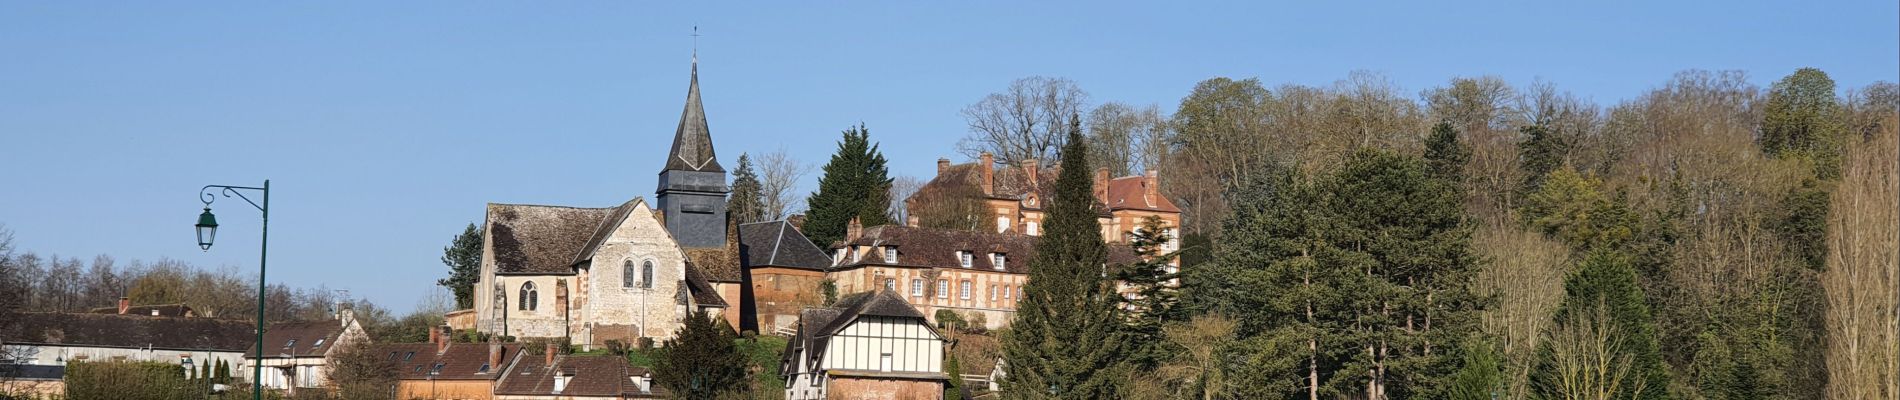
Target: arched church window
528,296
627,275
646,275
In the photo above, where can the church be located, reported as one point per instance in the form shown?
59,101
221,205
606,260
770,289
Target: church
621,273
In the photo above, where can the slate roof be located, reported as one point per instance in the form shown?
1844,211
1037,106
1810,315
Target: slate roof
535,239
461,361
720,264
128,331
692,141
778,244
817,325
300,338
163,310
599,375
937,247
31,372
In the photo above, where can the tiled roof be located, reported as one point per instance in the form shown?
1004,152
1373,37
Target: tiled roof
818,324
601,375
1013,183
301,338
777,244
702,291
938,247
605,229
163,310
692,142
461,361
533,239
112,330
1130,192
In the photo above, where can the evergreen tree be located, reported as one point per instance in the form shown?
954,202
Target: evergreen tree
1152,282
1481,376
953,390
701,361
1541,152
463,256
745,204
1445,153
1065,342
1603,290
856,184
1802,119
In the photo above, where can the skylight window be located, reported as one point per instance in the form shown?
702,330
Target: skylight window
291,343
319,343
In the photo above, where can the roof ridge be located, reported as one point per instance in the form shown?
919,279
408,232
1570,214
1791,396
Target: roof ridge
775,244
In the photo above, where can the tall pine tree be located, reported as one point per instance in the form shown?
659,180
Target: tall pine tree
1066,341
745,205
856,184
1152,281
463,256
1603,302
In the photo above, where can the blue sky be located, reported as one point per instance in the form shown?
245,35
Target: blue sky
385,126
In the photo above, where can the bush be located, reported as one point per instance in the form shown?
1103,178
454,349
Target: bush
947,319
616,347
131,381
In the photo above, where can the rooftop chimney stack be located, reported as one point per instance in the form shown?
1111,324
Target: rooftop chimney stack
125,304
943,164
987,163
912,221
853,230
1151,185
548,355
1101,184
442,336
494,355
1034,169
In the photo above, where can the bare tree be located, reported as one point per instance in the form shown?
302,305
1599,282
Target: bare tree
779,175
1588,358
1863,275
901,189
1025,121
1526,276
1126,139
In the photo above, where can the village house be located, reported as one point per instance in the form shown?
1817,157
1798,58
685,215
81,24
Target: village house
295,353
40,345
786,272
554,376
445,370
870,345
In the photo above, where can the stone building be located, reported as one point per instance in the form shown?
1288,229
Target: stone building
616,273
869,345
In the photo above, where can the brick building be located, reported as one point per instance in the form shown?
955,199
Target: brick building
1015,196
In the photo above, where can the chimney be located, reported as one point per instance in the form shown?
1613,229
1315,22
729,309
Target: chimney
435,336
943,164
987,163
912,221
125,303
442,334
1151,185
494,355
1101,184
1034,169
853,230
548,355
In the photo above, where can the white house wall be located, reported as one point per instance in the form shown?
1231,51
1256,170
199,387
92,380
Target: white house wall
860,346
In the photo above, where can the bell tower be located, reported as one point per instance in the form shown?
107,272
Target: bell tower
692,188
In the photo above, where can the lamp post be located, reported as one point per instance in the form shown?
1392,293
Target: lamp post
208,230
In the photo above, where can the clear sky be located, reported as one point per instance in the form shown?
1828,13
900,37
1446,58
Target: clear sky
385,126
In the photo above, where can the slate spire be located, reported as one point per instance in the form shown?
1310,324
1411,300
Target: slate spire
692,142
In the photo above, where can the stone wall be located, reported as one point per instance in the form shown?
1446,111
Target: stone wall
655,308
874,388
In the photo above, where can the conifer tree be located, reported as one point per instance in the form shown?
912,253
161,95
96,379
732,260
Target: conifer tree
1446,154
1065,342
856,184
1152,281
701,361
1603,291
745,205
1542,151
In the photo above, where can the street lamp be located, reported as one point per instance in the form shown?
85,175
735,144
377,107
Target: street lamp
208,230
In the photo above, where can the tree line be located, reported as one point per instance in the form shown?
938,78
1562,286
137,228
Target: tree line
1708,238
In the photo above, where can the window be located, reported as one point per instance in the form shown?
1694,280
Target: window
627,275
884,362
1005,292
1002,224
943,288
484,369
1029,228
528,297
291,343
890,255
963,258
646,275
319,343
916,288
890,284
992,292
963,290
856,255
997,259
436,370
410,355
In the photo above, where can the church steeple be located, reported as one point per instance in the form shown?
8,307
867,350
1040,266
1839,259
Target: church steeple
692,142
692,192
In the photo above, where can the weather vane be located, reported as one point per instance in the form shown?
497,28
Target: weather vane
695,42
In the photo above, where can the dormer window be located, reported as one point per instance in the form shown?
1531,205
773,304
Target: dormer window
890,255
964,259
856,255
997,260
840,255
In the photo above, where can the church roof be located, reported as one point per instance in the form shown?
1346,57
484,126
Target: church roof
778,244
692,142
535,239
